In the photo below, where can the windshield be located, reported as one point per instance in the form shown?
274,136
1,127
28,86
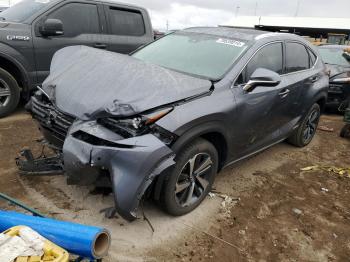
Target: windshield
201,55
23,10
334,56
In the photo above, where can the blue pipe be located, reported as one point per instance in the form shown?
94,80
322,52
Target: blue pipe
86,241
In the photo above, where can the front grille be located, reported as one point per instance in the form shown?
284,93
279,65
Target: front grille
50,118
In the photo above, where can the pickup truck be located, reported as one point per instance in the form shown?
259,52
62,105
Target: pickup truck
33,30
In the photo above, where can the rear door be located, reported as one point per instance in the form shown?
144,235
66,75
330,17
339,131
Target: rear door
127,28
81,26
299,75
257,118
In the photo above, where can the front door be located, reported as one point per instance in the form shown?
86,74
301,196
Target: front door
257,115
81,26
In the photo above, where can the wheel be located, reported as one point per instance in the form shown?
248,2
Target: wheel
304,134
9,93
191,179
345,132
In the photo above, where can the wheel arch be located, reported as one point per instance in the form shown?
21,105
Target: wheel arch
14,68
321,101
213,132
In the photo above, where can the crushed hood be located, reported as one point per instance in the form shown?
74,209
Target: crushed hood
90,83
336,70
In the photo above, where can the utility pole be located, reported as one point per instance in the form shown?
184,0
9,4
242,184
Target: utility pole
237,11
298,6
256,8
167,25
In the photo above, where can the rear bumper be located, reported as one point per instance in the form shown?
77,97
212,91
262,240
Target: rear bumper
132,163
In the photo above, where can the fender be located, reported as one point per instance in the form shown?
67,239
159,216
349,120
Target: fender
199,130
18,60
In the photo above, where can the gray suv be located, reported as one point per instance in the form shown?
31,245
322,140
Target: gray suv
179,110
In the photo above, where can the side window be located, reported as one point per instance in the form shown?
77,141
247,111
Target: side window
269,57
297,58
313,58
78,19
126,22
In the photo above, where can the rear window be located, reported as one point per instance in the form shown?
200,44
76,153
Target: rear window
297,58
126,22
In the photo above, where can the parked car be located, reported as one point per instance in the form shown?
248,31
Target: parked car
179,110
33,30
338,63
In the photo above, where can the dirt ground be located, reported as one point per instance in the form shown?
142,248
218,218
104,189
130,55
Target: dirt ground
263,209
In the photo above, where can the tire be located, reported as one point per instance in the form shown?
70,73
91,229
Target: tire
178,204
309,125
9,93
345,132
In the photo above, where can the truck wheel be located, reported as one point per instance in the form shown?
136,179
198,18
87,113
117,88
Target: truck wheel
9,93
304,134
345,132
191,179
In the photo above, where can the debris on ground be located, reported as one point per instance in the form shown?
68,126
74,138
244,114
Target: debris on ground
324,190
326,129
89,241
24,242
297,211
227,204
343,172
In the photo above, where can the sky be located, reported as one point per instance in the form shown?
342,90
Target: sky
179,14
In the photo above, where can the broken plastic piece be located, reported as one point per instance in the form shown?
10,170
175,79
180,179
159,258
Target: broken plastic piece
28,165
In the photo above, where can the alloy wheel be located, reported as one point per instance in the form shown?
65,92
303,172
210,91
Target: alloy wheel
5,93
311,126
193,180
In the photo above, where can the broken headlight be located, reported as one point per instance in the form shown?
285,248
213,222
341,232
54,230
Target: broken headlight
134,126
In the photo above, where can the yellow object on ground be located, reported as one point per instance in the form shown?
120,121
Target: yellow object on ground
52,252
335,170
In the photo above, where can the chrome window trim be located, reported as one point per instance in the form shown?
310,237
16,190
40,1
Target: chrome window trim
275,42
261,47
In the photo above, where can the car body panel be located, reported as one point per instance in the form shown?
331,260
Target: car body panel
137,87
132,166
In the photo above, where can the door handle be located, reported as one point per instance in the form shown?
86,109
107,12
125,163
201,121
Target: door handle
100,46
284,93
314,79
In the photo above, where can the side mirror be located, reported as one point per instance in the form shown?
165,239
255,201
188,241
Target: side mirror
262,77
51,27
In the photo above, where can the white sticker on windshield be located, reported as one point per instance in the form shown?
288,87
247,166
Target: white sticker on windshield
230,42
42,1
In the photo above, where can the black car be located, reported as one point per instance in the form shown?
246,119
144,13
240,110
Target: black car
169,117
32,31
337,60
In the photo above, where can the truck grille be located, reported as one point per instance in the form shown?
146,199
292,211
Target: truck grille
54,121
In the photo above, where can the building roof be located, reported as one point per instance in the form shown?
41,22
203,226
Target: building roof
311,22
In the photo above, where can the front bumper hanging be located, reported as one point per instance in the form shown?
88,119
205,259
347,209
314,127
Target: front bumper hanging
132,163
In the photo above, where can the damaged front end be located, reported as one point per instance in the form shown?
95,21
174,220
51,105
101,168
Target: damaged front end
132,151
102,122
